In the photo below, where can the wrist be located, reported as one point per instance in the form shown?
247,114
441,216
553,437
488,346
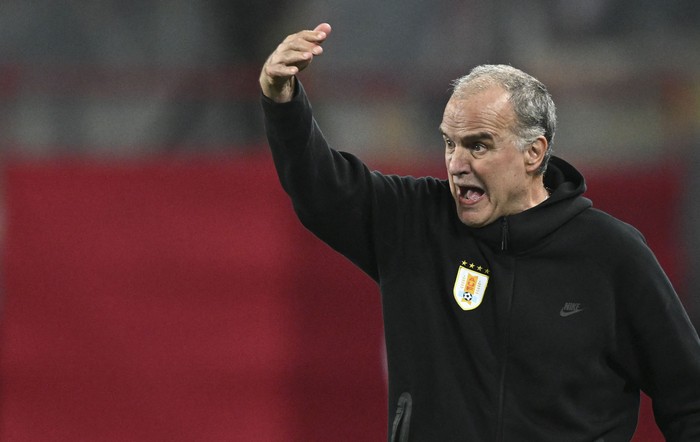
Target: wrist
279,93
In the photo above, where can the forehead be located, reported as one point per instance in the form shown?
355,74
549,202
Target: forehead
481,110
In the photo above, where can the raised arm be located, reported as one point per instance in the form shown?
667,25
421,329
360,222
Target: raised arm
292,56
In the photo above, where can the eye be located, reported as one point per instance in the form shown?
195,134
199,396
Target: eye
449,144
478,149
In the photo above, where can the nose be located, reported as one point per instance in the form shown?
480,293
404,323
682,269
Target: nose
458,162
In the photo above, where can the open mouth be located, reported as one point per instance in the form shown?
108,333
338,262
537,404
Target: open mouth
470,194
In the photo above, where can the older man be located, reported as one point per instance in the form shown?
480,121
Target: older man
513,310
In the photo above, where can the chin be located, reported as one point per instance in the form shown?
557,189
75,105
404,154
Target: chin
473,217
471,222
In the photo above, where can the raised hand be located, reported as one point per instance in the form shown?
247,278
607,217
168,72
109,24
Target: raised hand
292,56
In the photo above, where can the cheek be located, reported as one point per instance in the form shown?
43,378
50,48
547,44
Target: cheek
449,153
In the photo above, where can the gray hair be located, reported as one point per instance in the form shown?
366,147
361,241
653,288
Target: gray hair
533,105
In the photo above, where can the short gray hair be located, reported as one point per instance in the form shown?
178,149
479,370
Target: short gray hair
533,105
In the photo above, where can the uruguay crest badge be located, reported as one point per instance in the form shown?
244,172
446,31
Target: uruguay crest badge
470,285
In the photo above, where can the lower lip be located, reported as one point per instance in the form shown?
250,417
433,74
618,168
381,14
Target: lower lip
470,202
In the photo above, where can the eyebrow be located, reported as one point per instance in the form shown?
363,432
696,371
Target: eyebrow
484,135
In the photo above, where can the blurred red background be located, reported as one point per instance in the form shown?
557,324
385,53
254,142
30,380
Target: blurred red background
182,300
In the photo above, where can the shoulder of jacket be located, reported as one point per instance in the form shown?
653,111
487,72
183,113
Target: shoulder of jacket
606,225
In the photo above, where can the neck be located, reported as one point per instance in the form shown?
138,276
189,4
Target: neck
539,194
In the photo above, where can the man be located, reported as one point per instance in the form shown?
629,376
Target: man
513,310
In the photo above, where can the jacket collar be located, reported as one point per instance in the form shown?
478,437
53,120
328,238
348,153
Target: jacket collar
525,230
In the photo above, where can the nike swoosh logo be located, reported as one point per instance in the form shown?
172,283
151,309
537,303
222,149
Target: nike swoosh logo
564,313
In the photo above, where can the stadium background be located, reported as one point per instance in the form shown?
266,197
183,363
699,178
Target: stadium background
156,285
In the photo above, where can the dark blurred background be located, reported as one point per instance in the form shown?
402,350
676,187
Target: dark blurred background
136,78
156,285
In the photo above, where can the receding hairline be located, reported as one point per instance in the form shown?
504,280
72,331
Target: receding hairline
532,102
485,76
503,100
477,86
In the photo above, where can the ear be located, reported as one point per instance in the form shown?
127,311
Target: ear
534,154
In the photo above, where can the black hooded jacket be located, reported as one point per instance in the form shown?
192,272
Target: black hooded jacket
542,326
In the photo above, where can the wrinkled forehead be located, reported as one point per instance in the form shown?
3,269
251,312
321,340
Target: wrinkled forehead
493,101
483,111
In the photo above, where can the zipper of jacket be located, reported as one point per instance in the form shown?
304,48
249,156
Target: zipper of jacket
502,386
505,338
504,234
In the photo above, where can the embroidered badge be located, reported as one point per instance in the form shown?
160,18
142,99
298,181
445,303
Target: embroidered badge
470,285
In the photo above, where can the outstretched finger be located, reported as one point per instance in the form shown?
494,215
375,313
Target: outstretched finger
323,30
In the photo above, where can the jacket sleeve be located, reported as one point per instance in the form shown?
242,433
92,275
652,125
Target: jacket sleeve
333,193
664,345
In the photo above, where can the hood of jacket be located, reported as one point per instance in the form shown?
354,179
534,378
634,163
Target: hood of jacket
525,230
